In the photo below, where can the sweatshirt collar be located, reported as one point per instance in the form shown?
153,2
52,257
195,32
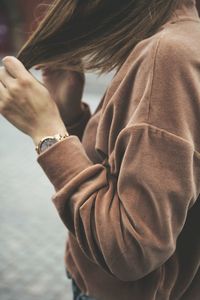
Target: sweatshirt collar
187,10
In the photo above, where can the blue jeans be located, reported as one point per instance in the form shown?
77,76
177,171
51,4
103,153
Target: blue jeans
77,294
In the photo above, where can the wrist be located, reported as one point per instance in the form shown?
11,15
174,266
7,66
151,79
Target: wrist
37,137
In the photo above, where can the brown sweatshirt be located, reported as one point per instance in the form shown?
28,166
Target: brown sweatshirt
128,189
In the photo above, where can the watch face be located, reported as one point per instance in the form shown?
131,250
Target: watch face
47,143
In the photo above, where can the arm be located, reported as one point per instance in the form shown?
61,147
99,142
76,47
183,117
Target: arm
128,211
128,220
78,127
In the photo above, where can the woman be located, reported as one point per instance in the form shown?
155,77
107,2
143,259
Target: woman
127,178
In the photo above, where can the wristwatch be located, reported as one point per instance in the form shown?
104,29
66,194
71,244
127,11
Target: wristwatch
48,141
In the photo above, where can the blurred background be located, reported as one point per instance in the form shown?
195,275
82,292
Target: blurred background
16,21
32,236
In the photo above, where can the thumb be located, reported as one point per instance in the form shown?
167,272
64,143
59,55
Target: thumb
15,67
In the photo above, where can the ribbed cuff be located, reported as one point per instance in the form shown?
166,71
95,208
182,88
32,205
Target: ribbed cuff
78,127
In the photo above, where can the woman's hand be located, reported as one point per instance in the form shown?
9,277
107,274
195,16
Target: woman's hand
26,103
66,88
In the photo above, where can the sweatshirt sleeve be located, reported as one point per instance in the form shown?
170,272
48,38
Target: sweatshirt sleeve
126,220
128,211
78,127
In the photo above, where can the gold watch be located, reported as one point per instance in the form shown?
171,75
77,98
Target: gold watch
48,141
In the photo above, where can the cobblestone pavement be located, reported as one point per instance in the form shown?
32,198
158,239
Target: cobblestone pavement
32,236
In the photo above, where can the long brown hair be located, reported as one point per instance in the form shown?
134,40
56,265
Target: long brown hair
93,35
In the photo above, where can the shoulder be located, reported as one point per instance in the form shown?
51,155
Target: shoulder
171,45
174,98
177,46
166,88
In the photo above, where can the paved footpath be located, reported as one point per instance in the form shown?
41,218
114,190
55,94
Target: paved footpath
32,236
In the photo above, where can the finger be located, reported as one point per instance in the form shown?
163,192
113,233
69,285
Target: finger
37,67
47,72
40,67
5,78
14,67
